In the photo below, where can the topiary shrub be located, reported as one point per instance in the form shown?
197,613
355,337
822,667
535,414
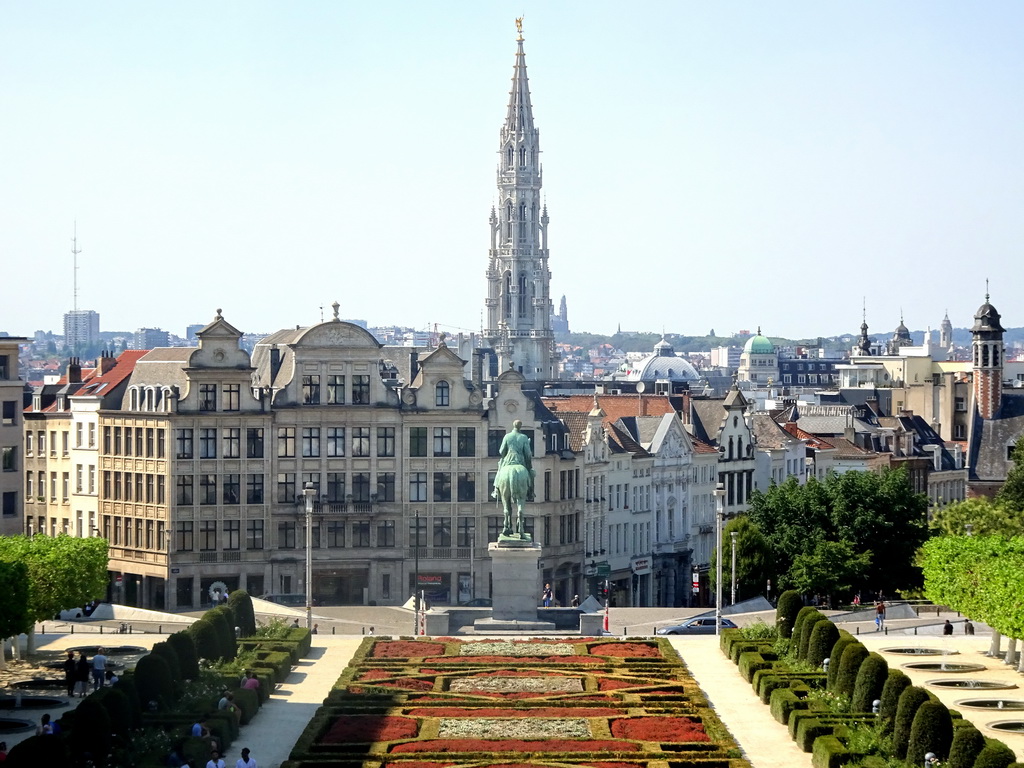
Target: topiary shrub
823,637
207,642
931,731
835,656
786,610
153,681
223,622
168,654
967,745
801,616
853,656
895,683
184,646
90,733
37,751
241,607
910,700
119,709
870,681
806,629
995,754
126,685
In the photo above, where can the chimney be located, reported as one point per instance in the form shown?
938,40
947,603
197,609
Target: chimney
74,373
414,365
106,362
275,362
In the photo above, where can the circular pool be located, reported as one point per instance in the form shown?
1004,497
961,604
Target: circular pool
920,651
40,684
113,650
13,725
988,685
31,702
1009,726
944,666
1007,704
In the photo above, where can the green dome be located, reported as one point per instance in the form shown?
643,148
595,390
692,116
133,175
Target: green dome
759,345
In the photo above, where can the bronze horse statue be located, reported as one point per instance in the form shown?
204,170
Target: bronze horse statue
513,484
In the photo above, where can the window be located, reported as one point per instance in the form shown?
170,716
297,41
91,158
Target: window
64,443
286,442
385,486
335,487
127,441
335,441
361,487
417,486
232,534
466,534
360,441
494,526
149,442
385,441
254,443
254,534
418,441
959,432
7,462
207,397
335,533
385,533
161,487
442,534
182,536
159,443
254,489
494,438
117,442
232,489
232,397
335,390
466,443
92,435
442,441
360,534
232,443
960,403
53,442
286,535
29,485
207,489
467,486
183,441
442,394
207,535
311,390
418,532
285,487
184,494
208,443
313,479
310,442
29,436
442,486
361,390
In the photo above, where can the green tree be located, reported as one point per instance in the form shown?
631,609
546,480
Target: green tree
986,518
1012,493
752,557
832,567
14,616
63,571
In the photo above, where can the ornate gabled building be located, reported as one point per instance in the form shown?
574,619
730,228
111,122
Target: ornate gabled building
518,301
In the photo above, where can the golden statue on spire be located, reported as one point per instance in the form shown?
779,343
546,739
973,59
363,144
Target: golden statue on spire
519,27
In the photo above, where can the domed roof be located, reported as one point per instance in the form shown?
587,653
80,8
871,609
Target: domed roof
759,345
663,364
986,318
902,332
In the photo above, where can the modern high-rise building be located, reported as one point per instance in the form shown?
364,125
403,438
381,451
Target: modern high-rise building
150,338
518,302
81,329
12,390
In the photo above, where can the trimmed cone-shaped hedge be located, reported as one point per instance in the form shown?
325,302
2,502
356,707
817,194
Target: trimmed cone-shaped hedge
207,640
823,637
153,681
870,681
241,607
166,651
910,701
835,656
932,731
995,755
119,708
37,751
786,610
807,629
126,685
801,616
967,745
895,683
853,656
185,647
90,733
224,622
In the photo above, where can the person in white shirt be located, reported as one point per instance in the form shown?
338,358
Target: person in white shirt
245,761
215,761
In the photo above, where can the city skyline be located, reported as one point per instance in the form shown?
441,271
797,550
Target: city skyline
779,164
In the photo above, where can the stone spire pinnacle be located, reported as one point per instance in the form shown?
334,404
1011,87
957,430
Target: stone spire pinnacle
519,118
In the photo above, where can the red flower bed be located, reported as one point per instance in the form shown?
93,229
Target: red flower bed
516,673
515,745
369,728
405,649
614,684
499,712
659,729
421,764
626,650
612,764
403,683
514,660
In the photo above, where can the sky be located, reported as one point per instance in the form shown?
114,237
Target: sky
706,165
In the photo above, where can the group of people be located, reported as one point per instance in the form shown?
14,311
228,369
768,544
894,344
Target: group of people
78,672
216,756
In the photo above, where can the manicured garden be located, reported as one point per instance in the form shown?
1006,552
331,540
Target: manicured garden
150,712
440,702
854,710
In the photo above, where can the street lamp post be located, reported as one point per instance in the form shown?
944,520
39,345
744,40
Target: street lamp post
416,579
719,517
308,493
732,581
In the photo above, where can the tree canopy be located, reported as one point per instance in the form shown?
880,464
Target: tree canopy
986,518
854,531
63,571
1011,495
752,568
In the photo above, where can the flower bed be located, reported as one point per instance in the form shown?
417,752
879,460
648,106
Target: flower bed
515,704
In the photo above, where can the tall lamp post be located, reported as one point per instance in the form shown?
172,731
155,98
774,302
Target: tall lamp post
732,581
719,517
308,493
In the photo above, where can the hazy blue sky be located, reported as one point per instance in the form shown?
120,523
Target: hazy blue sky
706,165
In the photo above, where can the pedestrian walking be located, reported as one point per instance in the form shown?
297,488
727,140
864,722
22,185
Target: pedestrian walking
879,616
245,761
70,673
947,628
99,670
82,671
575,601
215,761
968,628
547,596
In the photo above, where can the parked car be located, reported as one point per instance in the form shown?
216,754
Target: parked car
477,602
696,627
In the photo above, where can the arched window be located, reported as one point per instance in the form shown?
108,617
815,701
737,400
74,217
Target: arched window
522,294
522,157
506,295
522,221
508,157
508,217
133,399
730,448
442,394
739,447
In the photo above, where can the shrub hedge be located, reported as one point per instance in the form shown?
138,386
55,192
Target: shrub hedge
806,629
786,610
853,656
829,752
166,651
153,681
870,681
910,701
798,624
835,656
90,731
967,745
823,637
895,683
204,635
241,608
185,648
931,731
995,754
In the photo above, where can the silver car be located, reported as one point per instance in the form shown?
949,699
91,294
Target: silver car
696,627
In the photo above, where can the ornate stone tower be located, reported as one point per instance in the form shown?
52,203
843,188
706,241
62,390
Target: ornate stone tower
518,301
946,332
987,343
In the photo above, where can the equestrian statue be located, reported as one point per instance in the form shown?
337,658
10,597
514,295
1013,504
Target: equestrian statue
513,485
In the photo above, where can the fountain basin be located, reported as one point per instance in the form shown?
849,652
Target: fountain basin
1007,726
920,651
988,685
32,702
40,684
1007,704
111,650
13,725
945,666
111,664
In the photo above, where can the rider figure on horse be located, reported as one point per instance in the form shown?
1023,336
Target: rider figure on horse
514,482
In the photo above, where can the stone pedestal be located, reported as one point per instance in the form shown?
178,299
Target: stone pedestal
592,624
437,623
514,591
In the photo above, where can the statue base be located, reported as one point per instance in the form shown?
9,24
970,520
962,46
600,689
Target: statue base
515,582
516,540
